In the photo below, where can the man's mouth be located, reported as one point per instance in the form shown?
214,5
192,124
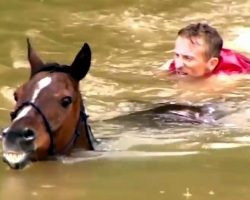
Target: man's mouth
181,73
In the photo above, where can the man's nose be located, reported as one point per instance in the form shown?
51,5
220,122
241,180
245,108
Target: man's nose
179,63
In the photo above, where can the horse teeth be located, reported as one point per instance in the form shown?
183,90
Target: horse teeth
13,157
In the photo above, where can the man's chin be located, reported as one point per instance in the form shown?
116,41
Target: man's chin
187,78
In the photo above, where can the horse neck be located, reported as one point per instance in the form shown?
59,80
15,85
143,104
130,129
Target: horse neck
85,140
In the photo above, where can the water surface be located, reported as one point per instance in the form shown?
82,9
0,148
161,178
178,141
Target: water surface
129,39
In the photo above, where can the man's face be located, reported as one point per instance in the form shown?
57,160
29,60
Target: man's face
190,57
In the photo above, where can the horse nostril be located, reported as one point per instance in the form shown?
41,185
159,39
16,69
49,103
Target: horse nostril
3,134
28,134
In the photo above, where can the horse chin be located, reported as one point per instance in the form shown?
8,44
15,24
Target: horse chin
16,160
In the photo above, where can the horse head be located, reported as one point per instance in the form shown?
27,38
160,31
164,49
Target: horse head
49,116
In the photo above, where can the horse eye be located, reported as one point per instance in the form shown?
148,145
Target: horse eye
66,101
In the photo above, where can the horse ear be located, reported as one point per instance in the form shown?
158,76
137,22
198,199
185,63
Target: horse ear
81,63
35,62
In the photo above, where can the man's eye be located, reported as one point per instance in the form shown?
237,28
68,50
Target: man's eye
188,58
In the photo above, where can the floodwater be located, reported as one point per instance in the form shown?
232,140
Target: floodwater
130,39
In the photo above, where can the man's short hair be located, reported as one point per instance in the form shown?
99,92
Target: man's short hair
209,35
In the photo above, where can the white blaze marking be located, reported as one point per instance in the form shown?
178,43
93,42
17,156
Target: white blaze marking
43,83
6,130
23,112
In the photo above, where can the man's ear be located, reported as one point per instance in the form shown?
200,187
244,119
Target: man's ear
212,63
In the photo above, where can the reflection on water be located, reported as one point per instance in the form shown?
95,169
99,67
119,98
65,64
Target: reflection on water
129,39
202,175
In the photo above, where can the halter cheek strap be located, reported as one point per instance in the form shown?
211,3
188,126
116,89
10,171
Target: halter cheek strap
91,140
52,149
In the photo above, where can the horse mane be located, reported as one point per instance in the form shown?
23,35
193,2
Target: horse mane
55,67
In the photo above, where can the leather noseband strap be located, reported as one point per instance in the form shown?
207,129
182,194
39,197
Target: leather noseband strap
52,149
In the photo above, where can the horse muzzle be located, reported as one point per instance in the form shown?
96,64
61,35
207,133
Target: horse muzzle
16,160
18,146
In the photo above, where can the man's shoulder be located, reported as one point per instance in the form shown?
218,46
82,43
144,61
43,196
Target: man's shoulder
232,62
229,53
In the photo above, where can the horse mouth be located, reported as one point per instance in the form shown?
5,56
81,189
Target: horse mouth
16,160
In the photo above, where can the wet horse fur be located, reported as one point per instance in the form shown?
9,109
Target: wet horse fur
49,117
160,115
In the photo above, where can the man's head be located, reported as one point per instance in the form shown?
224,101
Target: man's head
197,50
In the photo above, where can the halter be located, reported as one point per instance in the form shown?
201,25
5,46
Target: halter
54,67
13,115
91,140
52,149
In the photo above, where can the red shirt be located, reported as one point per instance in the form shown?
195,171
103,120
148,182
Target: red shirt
230,62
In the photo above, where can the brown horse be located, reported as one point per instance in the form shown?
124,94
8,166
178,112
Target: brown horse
49,117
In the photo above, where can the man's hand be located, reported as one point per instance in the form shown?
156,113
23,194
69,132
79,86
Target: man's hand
163,71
